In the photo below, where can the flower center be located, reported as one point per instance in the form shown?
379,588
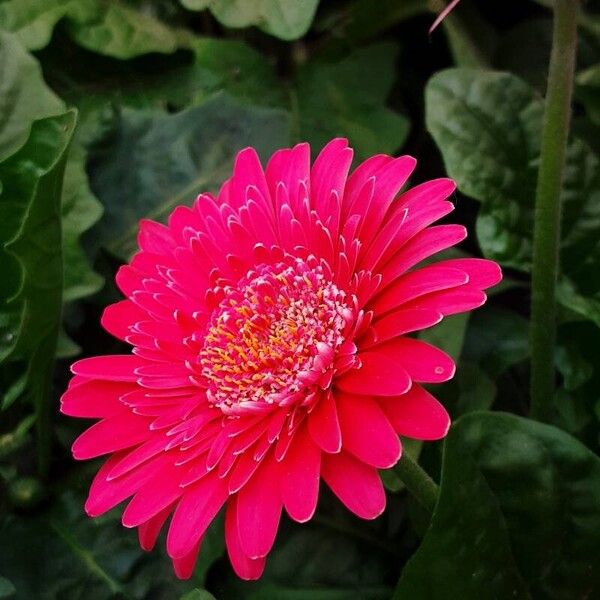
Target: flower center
272,336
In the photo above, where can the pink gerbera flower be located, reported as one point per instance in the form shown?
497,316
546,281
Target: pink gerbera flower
270,331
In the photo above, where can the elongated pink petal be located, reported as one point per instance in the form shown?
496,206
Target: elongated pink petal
259,507
366,431
300,477
111,434
194,513
116,367
379,375
482,273
423,362
184,566
324,426
149,531
399,323
415,284
94,399
417,414
153,497
119,318
247,568
357,485
450,302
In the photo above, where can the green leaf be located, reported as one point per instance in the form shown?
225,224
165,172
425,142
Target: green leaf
23,95
198,595
358,22
151,161
60,553
347,98
588,90
80,210
31,181
488,126
118,30
285,19
517,516
7,589
314,562
113,28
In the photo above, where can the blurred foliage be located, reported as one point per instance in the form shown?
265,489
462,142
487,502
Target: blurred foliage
114,110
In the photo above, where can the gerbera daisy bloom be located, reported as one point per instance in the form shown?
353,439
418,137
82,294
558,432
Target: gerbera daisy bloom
271,349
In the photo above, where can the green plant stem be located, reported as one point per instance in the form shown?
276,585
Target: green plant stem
546,234
417,482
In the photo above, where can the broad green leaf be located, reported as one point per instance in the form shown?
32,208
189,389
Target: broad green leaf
33,21
347,98
488,127
517,516
285,19
113,28
23,94
118,30
30,199
27,98
152,161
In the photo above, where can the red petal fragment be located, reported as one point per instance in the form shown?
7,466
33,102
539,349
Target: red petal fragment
300,477
366,431
357,485
259,507
324,426
379,375
417,414
245,567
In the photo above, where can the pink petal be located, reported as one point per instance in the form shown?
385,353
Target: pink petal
366,431
259,507
155,238
388,182
423,362
114,367
482,273
300,477
400,323
194,513
450,302
118,318
247,171
289,167
417,283
95,399
424,244
149,531
184,566
417,414
379,375
354,196
328,174
153,497
324,426
245,567
111,434
106,493
357,485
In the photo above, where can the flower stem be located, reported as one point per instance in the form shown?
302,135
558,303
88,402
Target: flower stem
417,481
546,234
